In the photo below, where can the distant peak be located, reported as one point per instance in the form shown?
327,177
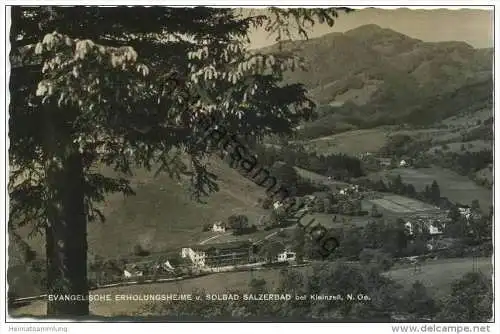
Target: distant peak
366,27
373,32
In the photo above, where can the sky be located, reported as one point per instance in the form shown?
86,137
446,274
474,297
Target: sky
473,26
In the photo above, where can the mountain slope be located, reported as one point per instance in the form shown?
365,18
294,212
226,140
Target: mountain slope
370,64
162,215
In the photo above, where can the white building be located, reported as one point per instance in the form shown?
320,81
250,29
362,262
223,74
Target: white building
465,212
416,226
218,227
286,256
132,271
197,257
167,266
409,228
349,190
277,205
434,230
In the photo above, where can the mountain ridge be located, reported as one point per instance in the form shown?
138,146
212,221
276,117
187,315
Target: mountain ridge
369,63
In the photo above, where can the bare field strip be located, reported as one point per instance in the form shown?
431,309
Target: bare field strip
456,187
350,142
390,206
410,203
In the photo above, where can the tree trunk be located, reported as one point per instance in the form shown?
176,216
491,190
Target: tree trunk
66,237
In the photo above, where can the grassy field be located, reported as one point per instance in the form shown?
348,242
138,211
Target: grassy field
350,142
402,205
452,185
315,177
436,275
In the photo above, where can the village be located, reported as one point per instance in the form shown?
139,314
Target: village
346,206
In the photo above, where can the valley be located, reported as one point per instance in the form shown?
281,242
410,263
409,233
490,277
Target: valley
395,161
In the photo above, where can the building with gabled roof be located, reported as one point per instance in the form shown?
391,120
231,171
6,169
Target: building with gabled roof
218,255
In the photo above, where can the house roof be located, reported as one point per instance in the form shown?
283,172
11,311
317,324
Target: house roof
222,246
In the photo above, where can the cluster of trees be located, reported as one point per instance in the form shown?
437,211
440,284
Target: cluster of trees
207,227
473,229
465,163
375,257
237,222
339,205
483,131
270,250
240,225
105,271
102,271
403,145
140,250
339,166
397,145
470,299
468,98
331,120
325,202
27,279
391,240
379,237
287,177
431,193
385,108
394,240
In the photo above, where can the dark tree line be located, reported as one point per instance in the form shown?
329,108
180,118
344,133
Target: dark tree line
339,166
465,163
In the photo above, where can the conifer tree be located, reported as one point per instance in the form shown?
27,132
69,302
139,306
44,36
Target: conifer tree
126,87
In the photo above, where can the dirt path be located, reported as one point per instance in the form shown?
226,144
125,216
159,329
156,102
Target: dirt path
211,238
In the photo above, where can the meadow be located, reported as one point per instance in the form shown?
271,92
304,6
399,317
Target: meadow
350,142
318,178
342,220
437,275
456,187
402,205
